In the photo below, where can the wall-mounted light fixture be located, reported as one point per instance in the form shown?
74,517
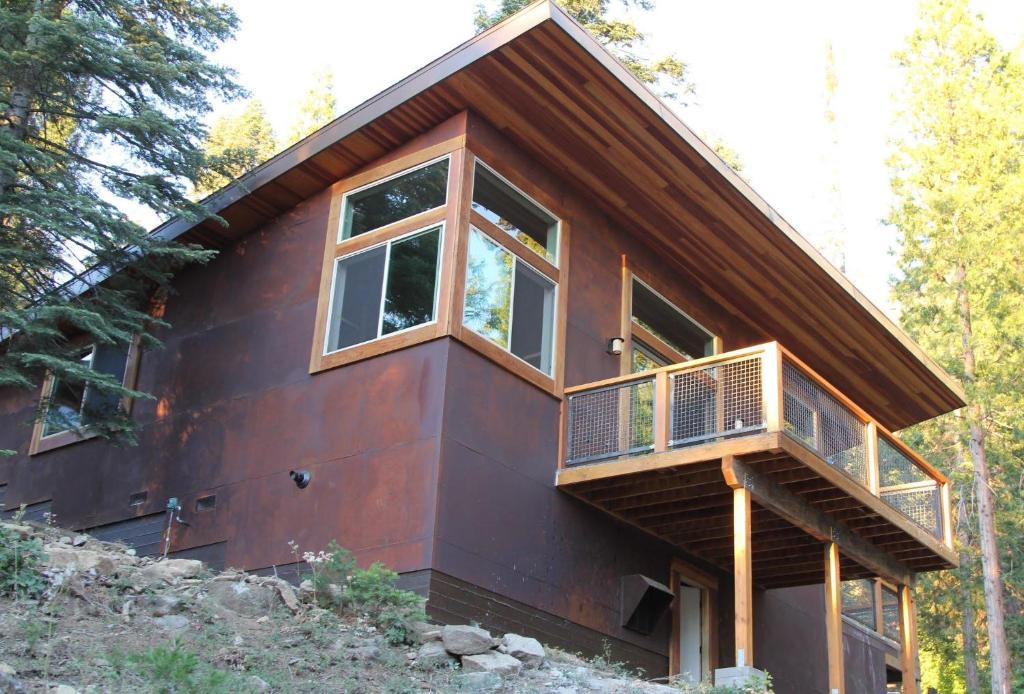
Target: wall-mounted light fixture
615,345
300,478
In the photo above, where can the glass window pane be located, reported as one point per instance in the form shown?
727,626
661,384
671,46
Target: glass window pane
645,359
488,289
65,408
394,200
664,320
110,360
502,205
355,306
859,601
412,280
533,308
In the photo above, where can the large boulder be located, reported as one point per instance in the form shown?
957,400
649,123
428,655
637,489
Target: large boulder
248,599
67,558
462,639
522,648
284,591
497,663
422,632
170,570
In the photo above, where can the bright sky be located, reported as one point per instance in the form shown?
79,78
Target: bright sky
759,68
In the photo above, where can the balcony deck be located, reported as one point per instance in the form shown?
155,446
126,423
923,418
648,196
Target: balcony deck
664,451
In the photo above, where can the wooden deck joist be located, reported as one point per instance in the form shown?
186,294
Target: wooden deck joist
799,503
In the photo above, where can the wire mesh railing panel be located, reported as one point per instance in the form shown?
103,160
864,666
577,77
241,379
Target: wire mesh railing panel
907,488
716,402
859,601
815,418
920,504
890,615
611,422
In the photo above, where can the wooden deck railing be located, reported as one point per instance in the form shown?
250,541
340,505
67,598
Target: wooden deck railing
758,389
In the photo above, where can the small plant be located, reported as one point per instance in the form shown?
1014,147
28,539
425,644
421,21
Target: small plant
606,662
754,686
20,558
170,670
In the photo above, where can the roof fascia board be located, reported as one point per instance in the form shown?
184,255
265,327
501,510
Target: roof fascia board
621,73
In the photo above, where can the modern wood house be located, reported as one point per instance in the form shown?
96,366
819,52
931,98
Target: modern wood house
538,348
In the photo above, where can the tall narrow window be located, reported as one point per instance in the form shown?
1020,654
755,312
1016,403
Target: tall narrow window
384,289
394,199
508,302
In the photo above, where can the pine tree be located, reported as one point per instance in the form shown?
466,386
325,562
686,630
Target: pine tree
238,141
621,37
100,100
958,180
317,108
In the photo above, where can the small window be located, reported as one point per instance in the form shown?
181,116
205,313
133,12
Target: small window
71,405
508,302
515,214
384,289
394,199
669,324
890,614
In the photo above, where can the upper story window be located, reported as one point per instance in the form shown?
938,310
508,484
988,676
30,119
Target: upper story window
406,194
666,335
500,203
69,406
509,302
385,289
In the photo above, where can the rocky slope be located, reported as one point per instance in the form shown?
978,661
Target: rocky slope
102,619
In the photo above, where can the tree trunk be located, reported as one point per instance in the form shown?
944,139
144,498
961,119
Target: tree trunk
995,617
14,118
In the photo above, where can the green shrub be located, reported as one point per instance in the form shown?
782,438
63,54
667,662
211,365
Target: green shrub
19,564
705,687
173,670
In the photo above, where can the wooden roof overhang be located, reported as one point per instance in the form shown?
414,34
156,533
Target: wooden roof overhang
562,98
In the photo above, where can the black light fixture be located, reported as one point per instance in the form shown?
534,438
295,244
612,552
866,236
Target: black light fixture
615,345
301,478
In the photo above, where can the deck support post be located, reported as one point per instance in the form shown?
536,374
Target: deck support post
743,578
908,641
834,621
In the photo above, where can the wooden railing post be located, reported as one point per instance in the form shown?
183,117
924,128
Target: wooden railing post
771,386
743,577
871,443
908,640
946,514
662,411
834,620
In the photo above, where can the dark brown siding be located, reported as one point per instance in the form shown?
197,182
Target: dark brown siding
236,410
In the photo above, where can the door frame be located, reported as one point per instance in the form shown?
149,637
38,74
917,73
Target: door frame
682,571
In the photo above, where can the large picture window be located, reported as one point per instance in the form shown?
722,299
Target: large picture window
662,334
392,200
508,302
384,289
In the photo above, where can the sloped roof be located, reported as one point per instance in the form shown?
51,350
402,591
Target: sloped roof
556,93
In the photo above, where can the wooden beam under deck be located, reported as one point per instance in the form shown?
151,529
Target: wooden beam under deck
799,503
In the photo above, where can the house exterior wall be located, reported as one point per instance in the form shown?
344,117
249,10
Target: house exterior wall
432,459
237,410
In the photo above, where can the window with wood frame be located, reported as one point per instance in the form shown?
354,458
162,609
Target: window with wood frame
511,277
660,333
68,405
384,277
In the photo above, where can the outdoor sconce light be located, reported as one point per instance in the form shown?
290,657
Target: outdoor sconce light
615,345
301,478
